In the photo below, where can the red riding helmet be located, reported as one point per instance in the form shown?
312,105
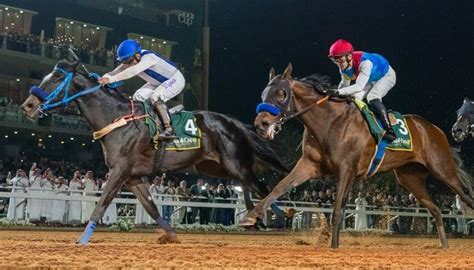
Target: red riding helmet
340,47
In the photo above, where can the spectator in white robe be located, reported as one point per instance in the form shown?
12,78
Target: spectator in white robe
360,218
75,207
34,205
16,206
156,189
47,186
59,206
462,210
110,215
89,187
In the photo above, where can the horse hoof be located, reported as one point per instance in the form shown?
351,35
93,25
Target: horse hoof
168,238
247,222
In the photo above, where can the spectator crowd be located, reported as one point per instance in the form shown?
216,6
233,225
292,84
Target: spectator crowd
55,48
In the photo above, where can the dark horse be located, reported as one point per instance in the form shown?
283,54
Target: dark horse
464,126
336,141
228,150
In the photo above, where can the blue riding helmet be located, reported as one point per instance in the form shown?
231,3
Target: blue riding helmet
127,48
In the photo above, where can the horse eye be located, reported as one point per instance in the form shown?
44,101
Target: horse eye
280,95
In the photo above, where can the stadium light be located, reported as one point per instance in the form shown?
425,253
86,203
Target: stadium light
32,134
6,136
49,136
72,138
15,132
62,142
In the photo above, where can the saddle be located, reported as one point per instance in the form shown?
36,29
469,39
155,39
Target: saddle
184,125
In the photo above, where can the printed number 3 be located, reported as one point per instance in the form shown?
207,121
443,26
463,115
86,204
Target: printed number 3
402,128
190,127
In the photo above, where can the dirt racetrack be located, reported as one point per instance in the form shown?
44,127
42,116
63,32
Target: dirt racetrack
56,249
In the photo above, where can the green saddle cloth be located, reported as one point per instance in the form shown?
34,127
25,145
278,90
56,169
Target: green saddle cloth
403,141
185,127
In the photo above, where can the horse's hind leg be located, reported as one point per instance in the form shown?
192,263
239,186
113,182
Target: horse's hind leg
446,167
413,178
141,190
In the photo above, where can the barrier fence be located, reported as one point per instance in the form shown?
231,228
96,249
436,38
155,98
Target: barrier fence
179,202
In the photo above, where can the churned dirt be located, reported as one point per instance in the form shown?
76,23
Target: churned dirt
56,249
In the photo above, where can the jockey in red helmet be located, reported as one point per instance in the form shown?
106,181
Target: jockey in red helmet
164,80
372,74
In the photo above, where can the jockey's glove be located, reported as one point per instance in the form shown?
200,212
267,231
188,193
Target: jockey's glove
333,92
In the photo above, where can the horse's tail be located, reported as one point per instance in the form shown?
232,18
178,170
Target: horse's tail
264,152
464,176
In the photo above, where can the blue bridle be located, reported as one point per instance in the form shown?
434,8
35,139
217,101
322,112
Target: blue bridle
267,107
64,86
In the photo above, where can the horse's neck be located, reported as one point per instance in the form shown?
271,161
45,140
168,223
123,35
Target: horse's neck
322,117
101,108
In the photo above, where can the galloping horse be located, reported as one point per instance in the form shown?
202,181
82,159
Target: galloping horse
464,125
336,141
228,150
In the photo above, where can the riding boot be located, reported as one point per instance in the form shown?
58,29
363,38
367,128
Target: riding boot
390,134
162,109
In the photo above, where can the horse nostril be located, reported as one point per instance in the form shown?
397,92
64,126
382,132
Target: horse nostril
265,124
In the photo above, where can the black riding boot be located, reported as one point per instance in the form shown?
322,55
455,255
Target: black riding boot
162,109
378,106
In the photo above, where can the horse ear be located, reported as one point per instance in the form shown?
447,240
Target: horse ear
288,70
271,74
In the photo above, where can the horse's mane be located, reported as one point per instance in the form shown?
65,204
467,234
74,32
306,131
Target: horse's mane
319,82
82,71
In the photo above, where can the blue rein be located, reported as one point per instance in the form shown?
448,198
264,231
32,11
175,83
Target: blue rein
64,86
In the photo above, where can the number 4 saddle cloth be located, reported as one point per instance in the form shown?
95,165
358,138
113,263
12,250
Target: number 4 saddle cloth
184,124
403,141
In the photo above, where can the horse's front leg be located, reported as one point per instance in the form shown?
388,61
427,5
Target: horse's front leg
141,190
305,169
116,181
344,183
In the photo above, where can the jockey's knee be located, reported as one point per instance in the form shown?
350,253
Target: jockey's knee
155,97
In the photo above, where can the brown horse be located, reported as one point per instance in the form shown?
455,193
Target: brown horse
336,141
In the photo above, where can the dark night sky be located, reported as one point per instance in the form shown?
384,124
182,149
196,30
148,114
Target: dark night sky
428,43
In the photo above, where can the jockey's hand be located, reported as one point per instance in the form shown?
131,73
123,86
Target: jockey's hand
333,93
104,80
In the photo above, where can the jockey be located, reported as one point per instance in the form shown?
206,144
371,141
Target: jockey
164,80
373,77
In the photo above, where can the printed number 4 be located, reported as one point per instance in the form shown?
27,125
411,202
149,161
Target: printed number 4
190,127
402,128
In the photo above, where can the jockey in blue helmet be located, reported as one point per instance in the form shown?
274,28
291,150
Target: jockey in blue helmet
164,80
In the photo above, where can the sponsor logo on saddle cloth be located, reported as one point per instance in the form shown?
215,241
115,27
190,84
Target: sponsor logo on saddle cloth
403,141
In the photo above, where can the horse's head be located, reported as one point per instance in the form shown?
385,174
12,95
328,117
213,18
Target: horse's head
276,103
57,85
464,125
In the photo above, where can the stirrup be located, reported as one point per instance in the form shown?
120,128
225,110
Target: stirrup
168,135
390,136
